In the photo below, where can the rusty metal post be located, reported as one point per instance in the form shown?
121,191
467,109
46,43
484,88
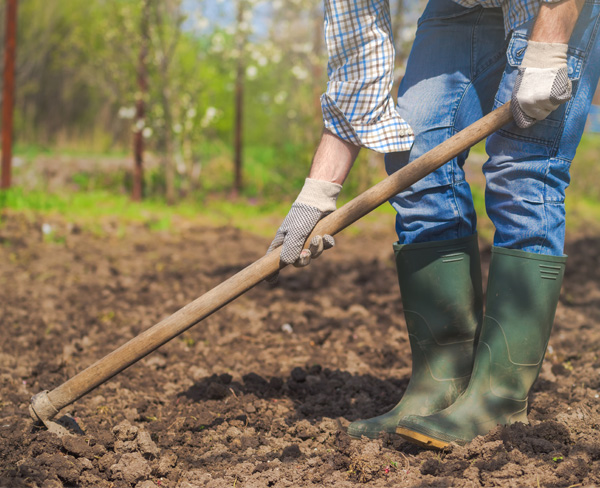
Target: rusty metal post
8,91
140,108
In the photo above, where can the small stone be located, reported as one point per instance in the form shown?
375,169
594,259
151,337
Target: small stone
287,328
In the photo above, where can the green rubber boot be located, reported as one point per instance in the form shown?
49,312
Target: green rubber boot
523,291
440,284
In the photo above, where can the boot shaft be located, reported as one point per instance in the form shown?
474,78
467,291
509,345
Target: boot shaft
522,295
440,285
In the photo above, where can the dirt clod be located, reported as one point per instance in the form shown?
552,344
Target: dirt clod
131,467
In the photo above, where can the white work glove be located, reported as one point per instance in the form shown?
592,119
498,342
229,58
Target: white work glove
317,199
542,83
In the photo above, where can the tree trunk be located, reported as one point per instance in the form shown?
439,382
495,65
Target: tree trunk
140,109
238,143
168,162
10,48
238,130
317,68
397,24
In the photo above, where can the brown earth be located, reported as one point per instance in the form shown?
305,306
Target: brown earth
260,393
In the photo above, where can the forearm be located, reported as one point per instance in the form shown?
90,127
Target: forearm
333,159
555,21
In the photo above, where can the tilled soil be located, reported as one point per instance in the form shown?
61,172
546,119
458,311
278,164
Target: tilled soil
260,393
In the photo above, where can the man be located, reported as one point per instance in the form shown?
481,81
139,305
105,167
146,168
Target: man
470,373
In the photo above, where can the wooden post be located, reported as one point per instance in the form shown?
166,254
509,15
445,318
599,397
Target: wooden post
8,91
140,108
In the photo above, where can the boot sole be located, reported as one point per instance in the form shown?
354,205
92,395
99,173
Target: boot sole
360,436
421,439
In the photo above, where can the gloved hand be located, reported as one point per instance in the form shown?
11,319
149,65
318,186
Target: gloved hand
542,83
317,199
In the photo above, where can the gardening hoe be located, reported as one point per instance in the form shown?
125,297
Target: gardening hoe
46,404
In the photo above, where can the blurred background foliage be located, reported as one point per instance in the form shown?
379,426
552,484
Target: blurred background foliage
77,87
77,64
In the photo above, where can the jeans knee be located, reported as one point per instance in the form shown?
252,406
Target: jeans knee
525,201
537,181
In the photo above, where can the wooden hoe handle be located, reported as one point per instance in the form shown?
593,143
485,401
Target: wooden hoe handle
46,405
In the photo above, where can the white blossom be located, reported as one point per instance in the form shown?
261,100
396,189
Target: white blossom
209,116
127,112
202,22
251,72
280,97
299,72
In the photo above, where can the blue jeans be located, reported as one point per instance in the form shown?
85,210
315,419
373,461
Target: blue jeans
462,66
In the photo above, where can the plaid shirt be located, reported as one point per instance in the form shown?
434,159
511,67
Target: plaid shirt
357,105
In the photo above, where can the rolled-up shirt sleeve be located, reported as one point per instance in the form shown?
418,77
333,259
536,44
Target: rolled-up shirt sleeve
357,105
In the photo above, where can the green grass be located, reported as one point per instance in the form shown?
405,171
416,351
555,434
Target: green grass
273,177
31,151
88,209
